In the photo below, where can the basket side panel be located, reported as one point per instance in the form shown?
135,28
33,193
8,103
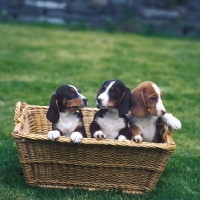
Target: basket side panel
92,166
102,155
162,160
96,177
23,157
36,117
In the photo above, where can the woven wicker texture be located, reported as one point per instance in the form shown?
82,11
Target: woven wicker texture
92,164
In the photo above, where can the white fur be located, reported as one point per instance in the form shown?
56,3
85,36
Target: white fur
76,137
111,124
138,138
104,96
121,137
52,135
171,121
159,105
147,125
67,123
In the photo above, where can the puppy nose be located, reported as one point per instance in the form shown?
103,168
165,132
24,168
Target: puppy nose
163,112
99,100
85,101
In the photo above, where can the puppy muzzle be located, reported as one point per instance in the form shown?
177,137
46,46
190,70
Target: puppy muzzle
99,102
85,101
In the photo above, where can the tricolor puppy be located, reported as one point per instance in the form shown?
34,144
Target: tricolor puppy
114,100
65,114
148,114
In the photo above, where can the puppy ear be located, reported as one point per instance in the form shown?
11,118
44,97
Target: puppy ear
125,102
138,108
53,111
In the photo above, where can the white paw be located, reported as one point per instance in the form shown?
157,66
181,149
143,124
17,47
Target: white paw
171,121
76,137
138,138
52,135
121,137
99,135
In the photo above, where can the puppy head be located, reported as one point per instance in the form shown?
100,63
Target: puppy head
114,94
66,98
147,98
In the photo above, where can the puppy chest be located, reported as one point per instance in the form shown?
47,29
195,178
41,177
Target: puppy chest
68,124
147,126
111,126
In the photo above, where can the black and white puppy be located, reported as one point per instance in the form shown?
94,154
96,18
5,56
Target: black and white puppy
114,100
65,114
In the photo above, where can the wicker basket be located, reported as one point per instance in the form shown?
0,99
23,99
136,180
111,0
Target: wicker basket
92,164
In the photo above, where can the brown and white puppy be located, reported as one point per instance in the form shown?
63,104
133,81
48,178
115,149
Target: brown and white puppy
114,100
148,114
65,114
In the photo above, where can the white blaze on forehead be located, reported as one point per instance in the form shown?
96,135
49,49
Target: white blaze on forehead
79,94
104,96
156,88
159,105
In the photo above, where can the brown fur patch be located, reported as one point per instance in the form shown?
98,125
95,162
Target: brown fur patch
150,93
134,130
112,103
142,99
73,103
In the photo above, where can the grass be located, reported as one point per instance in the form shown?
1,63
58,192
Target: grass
35,60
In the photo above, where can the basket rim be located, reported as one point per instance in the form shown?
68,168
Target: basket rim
93,141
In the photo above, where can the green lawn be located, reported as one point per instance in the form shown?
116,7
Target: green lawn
35,60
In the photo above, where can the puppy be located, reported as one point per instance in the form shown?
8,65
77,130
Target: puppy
65,115
148,114
114,100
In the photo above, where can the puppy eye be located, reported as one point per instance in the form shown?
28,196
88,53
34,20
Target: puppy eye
113,90
153,98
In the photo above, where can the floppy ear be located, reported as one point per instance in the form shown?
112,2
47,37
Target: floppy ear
125,102
53,111
138,108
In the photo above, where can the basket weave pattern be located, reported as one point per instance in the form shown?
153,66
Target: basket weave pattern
92,164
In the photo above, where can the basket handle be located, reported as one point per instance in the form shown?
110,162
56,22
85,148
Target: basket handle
18,113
